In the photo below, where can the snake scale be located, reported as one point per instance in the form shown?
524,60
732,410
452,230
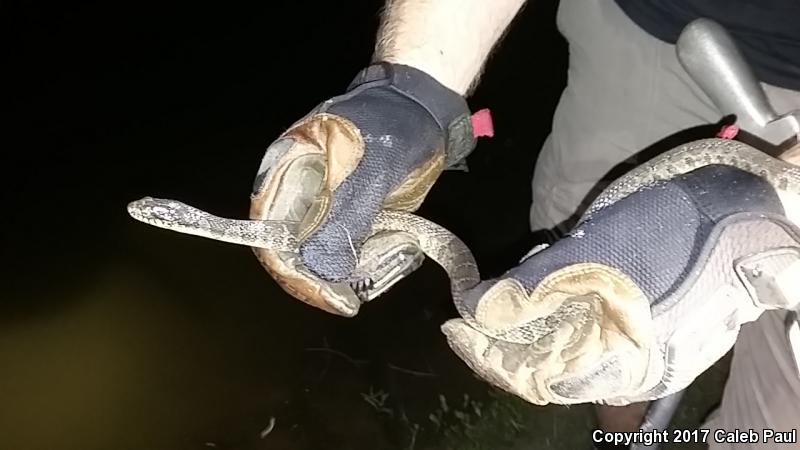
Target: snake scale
448,250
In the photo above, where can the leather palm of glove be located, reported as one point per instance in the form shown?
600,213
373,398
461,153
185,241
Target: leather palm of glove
640,298
381,145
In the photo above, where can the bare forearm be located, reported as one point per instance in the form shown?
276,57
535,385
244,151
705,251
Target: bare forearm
448,39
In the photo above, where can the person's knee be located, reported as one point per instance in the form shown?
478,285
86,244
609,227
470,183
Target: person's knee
557,205
621,418
568,175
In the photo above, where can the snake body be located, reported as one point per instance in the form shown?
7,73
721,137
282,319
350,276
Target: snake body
444,247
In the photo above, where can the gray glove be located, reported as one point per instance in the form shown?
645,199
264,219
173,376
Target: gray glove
381,145
640,298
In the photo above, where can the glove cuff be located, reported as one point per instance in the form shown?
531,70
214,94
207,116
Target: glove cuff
448,108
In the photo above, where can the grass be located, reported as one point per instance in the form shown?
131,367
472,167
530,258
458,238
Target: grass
500,421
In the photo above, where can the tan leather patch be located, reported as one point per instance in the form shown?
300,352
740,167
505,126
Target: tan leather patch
619,322
302,287
262,202
412,192
625,310
340,143
506,305
316,214
338,138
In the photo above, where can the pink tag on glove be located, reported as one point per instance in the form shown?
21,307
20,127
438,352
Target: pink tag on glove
482,123
728,132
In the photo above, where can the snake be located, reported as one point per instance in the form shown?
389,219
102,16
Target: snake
444,247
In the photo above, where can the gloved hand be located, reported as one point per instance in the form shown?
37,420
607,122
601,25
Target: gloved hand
640,298
381,145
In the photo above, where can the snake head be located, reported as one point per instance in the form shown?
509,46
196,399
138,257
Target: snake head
157,211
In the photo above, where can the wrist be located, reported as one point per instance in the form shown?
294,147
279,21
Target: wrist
446,107
433,65
449,39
